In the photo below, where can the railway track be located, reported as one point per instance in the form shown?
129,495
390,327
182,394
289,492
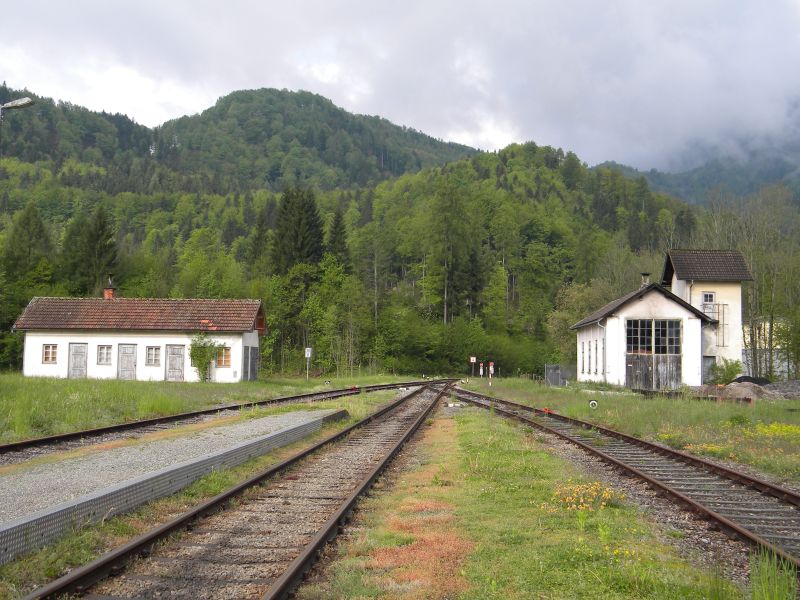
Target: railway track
16,452
261,545
742,506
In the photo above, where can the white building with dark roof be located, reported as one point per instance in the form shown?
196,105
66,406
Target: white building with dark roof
664,336
711,281
145,339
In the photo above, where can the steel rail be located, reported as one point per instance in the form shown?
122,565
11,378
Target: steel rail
75,435
287,583
772,489
730,527
80,579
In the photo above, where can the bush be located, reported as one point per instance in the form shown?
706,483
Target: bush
202,351
726,371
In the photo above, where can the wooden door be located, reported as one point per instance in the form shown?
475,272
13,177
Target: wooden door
639,371
175,362
254,360
666,371
126,363
653,371
708,363
78,354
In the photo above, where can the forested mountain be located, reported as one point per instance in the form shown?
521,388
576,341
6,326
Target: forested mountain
259,139
493,255
738,176
271,138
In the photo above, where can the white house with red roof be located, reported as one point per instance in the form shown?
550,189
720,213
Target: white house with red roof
144,339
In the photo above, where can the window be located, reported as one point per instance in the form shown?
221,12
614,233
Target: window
709,304
595,357
224,357
653,336
603,346
590,357
583,350
104,355
153,358
639,334
49,354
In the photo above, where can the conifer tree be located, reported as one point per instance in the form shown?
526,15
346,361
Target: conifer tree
298,230
90,252
337,240
28,241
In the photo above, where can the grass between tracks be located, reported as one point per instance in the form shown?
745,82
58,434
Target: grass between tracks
20,576
37,406
492,514
764,435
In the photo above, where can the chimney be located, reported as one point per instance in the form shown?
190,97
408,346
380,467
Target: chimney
109,292
645,279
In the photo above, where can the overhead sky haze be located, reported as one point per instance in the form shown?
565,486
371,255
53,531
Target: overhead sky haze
653,84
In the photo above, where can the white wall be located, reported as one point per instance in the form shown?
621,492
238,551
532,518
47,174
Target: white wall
727,292
35,340
653,305
591,340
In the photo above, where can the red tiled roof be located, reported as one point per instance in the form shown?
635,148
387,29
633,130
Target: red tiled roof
185,314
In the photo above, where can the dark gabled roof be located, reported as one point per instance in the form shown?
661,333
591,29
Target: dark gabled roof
144,314
705,265
608,309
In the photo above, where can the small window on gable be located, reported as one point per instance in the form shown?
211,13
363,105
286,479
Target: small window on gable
153,358
49,354
224,357
104,355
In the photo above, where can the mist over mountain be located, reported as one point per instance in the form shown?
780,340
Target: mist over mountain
738,165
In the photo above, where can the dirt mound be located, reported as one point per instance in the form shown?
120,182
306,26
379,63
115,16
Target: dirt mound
739,391
786,389
747,390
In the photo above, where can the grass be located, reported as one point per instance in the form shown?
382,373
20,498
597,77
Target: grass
772,578
19,577
492,513
35,407
764,435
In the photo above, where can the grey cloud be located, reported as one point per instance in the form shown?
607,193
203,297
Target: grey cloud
627,81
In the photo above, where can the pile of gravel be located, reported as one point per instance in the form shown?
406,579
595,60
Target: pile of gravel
785,389
737,391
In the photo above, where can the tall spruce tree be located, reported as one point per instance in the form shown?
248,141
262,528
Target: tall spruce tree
27,242
298,230
337,240
90,252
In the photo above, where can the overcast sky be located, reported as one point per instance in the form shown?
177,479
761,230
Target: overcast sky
643,83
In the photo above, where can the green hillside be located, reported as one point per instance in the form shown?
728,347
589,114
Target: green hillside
492,255
739,177
272,138
260,139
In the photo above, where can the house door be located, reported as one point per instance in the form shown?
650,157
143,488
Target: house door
254,363
639,371
246,363
77,360
708,363
175,358
653,371
126,365
666,371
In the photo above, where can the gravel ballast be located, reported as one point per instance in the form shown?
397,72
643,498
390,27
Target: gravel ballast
29,490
